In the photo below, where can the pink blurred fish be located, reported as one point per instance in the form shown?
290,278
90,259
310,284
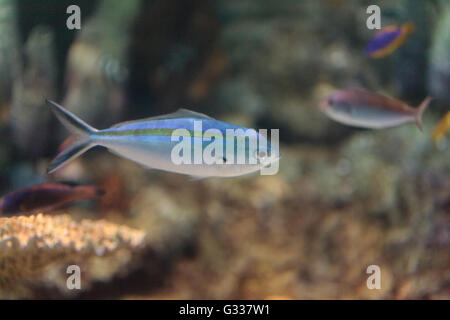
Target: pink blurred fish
371,110
45,197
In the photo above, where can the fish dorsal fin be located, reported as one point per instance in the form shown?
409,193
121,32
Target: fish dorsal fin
180,113
185,113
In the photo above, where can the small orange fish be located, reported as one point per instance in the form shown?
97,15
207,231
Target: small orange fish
442,128
388,39
370,110
45,197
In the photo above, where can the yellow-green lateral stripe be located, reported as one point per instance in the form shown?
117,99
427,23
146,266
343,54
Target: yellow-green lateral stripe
150,132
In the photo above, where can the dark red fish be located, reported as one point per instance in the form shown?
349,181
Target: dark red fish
45,197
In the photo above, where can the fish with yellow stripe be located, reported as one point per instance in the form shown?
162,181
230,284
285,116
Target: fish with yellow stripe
150,142
388,39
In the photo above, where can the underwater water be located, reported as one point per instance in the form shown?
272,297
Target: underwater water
359,180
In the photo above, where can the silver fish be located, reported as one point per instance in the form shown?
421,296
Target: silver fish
371,110
150,143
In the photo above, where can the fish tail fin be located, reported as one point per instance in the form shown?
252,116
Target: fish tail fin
420,110
70,151
74,147
71,121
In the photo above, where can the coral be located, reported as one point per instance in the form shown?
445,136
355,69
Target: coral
28,245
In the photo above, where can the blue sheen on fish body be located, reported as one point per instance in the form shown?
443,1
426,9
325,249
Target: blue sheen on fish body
150,142
382,40
388,40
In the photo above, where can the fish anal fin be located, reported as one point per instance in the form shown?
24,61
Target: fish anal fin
69,153
420,110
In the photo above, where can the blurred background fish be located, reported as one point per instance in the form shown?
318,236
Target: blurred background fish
442,128
371,110
388,39
46,197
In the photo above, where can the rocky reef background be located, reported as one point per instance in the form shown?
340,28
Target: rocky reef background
344,198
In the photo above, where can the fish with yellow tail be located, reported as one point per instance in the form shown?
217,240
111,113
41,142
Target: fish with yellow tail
364,109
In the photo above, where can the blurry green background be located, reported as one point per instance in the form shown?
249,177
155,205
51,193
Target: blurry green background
344,198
